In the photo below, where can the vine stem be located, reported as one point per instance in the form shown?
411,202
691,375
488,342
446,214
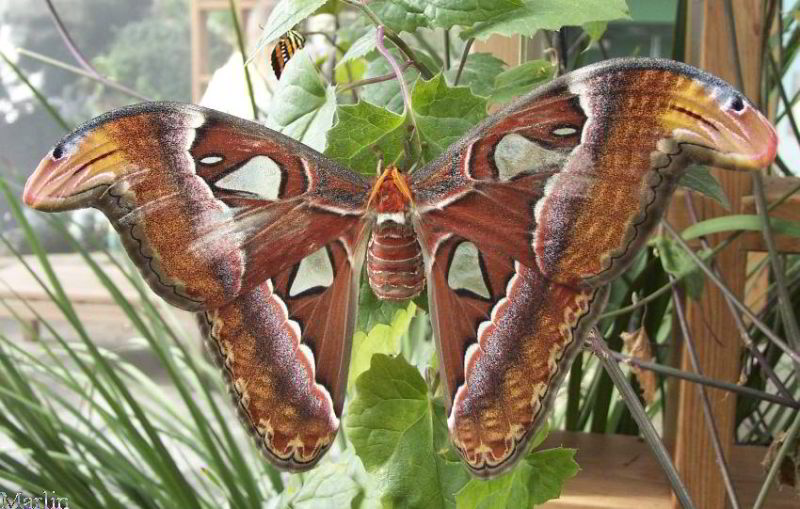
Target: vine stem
392,36
464,55
788,442
403,85
240,42
711,424
730,296
598,346
82,60
376,79
396,68
743,334
711,382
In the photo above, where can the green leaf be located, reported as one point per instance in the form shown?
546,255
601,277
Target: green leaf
372,310
443,114
399,433
383,338
303,106
361,128
521,80
595,29
537,479
330,7
329,486
700,179
677,262
536,15
387,93
750,222
409,15
363,45
479,73
283,18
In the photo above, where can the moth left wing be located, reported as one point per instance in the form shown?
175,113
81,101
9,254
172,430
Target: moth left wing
531,212
284,347
208,205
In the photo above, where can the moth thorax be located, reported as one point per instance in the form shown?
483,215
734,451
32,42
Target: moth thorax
394,261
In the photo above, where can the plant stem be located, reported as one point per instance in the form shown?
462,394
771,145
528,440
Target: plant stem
42,99
403,85
240,43
787,104
598,347
392,36
81,72
376,79
82,60
740,326
693,377
463,61
447,50
788,442
729,294
784,298
701,392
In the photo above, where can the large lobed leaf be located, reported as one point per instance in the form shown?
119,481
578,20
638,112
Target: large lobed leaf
383,337
537,479
479,73
399,433
521,79
361,127
408,15
535,15
443,114
303,106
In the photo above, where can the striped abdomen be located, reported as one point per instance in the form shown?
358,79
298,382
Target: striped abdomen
394,262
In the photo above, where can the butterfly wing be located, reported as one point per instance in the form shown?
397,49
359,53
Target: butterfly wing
290,43
535,209
262,235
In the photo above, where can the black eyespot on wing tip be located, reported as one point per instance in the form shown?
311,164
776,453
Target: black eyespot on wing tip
58,152
737,103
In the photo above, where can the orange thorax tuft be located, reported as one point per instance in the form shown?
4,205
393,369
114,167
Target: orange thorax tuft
391,192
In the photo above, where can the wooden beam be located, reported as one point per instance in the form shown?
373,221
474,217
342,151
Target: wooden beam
710,323
775,188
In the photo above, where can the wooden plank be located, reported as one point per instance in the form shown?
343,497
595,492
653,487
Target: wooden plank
775,188
506,49
620,472
199,33
714,332
20,291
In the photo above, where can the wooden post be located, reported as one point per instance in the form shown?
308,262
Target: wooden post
199,10
713,329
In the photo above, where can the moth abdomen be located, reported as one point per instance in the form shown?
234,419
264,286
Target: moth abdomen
394,261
